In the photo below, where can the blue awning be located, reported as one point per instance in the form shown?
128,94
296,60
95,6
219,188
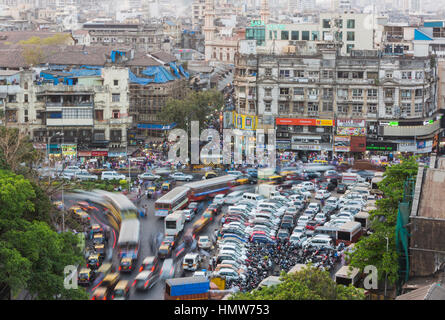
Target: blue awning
419,35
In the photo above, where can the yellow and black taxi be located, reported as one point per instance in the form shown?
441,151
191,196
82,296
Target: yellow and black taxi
121,291
166,247
99,238
85,277
210,175
79,213
168,186
96,228
100,250
110,280
275,180
93,261
101,293
126,265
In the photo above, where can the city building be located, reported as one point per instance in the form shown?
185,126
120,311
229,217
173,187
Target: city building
318,101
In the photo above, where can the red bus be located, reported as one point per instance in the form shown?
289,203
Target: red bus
201,190
349,232
176,199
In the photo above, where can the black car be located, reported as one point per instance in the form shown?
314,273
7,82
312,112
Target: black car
327,186
312,175
341,188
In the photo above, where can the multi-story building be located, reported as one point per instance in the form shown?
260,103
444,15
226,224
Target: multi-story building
198,8
306,96
140,37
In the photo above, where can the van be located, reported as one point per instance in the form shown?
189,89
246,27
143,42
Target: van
326,231
235,173
191,261
320,241
233,197
252,197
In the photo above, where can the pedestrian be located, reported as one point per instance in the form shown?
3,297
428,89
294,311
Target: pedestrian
146,210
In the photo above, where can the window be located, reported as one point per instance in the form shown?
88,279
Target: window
25,96
343,108
406,75
99,115
350,36
356,93
295,35
299,73
372,75
313,74
419,93
284,73
268,72
313,92
116,114
326,23
406,109
299,91
418,107
116,97
350,24
304,35
372,108
357,108
372,93
25,86
419,75
388,109
406,94
284,35
388,74
284,91
298,107
267,107
328,107
389,93
315,35
116,82
342,93
284,108
26,115
327,74
267,92
327,93
312,107
12,98
342,75
339,23
349,48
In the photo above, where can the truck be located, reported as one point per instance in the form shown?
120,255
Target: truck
174,223
351,178
267,190
187,288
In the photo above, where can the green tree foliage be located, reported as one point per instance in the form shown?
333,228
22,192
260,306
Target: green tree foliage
310,283
372,250
32,255
197,106
35,48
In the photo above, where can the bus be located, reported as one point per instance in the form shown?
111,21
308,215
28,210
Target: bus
201,190
176,199
378,177
274,180
126,208
129,239
349,232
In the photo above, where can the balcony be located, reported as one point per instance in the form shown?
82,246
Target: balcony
70,122
10,89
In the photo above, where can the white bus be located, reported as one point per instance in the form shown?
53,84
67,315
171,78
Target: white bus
176,199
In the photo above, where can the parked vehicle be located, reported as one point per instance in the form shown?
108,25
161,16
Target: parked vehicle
196,288
112,175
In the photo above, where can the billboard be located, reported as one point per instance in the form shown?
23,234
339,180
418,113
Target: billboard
304,122
342,143
244,122
69,150
355,123
351,131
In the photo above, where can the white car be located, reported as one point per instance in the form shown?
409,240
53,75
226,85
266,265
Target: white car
332,201
180,176
188,214
85,175
302,221
148,176
297,238
112,175
322,194
320,217
219,199
307,185
299,229
314,206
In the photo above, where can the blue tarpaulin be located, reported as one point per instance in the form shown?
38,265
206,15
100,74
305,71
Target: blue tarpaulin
142,81
175,69
160,74
68,79
114,53
186,74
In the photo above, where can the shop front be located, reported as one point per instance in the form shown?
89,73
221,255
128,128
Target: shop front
356,130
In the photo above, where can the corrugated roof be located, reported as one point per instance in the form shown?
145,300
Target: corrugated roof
430,292
164,56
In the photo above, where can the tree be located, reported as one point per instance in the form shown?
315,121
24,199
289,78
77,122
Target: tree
35,49
32,255
372,250
310,283
197,106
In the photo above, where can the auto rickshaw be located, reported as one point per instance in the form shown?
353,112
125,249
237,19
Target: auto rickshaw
86,277
167,186
93,261
151,192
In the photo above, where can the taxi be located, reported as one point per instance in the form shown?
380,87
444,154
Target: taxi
100,250
126,265
165,249
121,291
99,238
244,179
110,280
321,161
85,277
101,293
210,174
151,191
80,213
93,261
96,228
150,263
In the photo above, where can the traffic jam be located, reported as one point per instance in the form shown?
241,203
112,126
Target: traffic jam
236,229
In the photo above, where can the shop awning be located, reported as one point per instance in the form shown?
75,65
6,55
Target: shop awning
156,126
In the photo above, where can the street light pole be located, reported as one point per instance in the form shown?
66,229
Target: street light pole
386,273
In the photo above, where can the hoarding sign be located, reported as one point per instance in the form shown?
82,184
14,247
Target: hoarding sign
351,131
69,150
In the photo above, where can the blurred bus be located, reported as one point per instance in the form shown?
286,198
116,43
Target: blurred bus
176,199
201,190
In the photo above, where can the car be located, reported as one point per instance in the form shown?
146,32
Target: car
112,175
314,206
189,214
215,208
219,199
327,186
322,194
252,172
202,273
320,218
149,176
328,209
332,201
166,247
228,274
150,263
162,171
341,188
287,225
299,229
311,225
303,221
194,206
233,197
283,234
85,175
168,269
297,238
180,176
309,186
366,174
245,179
319,242
331,174
204,242
191,261
145,280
